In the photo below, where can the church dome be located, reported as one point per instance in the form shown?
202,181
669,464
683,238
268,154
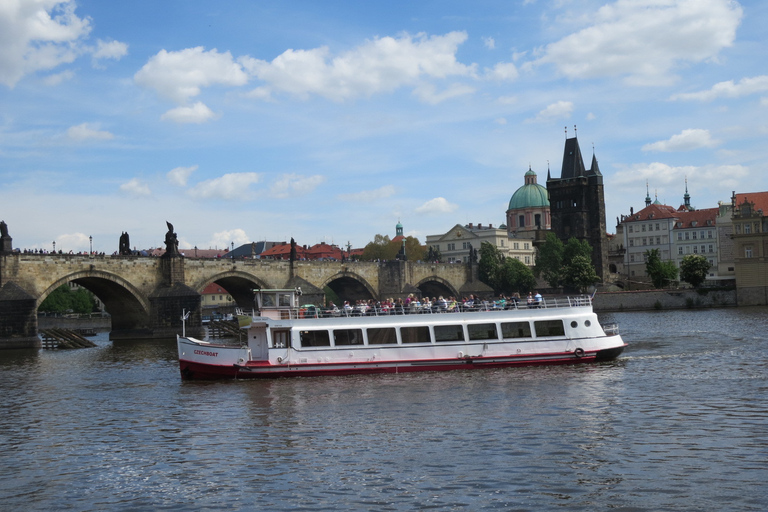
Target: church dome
530,195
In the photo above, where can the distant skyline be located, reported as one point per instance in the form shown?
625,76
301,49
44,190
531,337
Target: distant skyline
331,121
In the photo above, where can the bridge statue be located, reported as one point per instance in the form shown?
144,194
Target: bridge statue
125,245
6,242
171,241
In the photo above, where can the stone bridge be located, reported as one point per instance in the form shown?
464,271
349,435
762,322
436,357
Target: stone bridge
145,296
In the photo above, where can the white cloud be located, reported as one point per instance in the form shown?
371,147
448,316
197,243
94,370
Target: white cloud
76,242
436,206
136,188
380,65
500,120
686,140
228,186
87,131
197,113
368,196
557,110
56,79
179,76
114,50
715,177
645,40
180,175
225,238
37,36
728,89
503,71
290,185
428,93
489,43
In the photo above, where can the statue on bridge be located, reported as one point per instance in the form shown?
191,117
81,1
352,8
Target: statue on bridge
125,245
171,241
6,242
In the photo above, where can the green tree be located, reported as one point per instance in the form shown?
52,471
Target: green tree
660,272
489,266
580,273
549,260
63,300
516,276
378,249
693,269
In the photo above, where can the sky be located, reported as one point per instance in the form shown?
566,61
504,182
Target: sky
332,121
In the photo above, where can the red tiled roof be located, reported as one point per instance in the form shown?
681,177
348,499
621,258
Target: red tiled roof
654,211
214,288
700,217
760,199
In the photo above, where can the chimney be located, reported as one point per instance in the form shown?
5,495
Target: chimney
479,226
490,226
470,225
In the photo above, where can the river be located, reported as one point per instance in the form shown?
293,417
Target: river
679,422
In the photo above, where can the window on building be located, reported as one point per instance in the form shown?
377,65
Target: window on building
701,234
525,245
703,249
709,234
629,228
645,241
465,245
687,235
658,240
642,228
537,220
747,228
748,251
527,260
631,258
693,235
521,221
501,242
658,227
679,235
711,248
515,245
679,250
451,247
695,249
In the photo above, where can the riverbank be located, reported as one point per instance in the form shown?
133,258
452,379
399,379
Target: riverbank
663,299
99,324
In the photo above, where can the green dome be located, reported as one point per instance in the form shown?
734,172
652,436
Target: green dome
531,195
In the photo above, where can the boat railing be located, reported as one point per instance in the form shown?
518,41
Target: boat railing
312,311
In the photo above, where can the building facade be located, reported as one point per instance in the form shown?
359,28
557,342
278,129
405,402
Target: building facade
750,247
454,245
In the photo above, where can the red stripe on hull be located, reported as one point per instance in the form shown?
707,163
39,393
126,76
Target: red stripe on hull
198,371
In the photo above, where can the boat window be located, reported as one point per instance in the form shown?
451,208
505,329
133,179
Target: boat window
482,332
515,330
549,328
315,339
284,298
347,337
449,333
382,336
587,323
281,338
267,300
415,334
574,324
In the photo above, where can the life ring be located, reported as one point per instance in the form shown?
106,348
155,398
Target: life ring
579,352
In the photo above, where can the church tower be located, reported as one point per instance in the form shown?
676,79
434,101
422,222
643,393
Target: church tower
577,204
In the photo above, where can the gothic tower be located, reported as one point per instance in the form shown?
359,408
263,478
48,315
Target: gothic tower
577,204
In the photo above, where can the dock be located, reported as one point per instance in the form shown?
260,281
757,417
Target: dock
63,338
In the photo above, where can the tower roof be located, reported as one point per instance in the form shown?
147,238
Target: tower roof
573,163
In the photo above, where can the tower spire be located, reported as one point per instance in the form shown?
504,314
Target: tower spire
647,194
687,197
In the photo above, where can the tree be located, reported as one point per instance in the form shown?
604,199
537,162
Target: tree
63,300
693,269
516,276
489,266
549,260
378,249
580,273
660,272
382,248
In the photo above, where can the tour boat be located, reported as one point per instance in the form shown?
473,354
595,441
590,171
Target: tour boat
285,339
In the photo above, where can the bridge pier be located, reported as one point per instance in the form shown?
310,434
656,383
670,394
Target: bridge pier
18,318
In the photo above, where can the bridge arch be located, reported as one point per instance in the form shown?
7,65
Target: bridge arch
239,285
350,286
127,306
434,286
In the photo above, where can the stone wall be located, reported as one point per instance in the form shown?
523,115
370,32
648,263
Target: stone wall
663,299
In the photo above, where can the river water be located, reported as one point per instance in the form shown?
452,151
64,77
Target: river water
680,422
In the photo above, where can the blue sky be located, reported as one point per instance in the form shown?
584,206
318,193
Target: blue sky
330,121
